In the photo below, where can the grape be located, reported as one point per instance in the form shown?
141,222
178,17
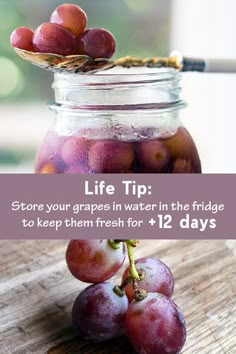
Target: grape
74,150
98,314
153,156
182,166
79,169
53,38
110,156
49,153
184,152
155,325
22,38
180,144
48,169
96,43
94,261
70,16
158,277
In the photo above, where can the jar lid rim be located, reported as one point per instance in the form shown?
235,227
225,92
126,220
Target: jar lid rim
135,74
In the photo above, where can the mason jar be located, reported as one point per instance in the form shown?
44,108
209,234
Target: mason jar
118,121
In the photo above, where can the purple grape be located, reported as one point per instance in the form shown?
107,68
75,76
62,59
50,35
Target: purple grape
98,313
111,156
79,169
155,325
158,277
96,43
74,150
49,153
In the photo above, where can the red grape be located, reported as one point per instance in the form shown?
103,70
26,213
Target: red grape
110,156
96,43
182,165
79,169
48,169
74,150
180,144
70,16
158,277
49,153
153,156
98,313
155,325
53,38
94,261
22,38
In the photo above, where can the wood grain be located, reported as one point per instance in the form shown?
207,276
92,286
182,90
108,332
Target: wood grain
37,292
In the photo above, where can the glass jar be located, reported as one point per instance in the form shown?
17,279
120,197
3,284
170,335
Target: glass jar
118,121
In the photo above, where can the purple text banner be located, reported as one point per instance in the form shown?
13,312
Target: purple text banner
123,206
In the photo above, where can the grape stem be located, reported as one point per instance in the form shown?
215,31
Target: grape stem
139,294
133,271
134,274
120,289
115,243
129,279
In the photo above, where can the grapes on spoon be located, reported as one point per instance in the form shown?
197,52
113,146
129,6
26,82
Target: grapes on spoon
93,48
64,44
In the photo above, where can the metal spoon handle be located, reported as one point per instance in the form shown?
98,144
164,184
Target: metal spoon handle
181,63
209,65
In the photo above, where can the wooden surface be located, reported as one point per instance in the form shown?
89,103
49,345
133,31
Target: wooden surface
37,292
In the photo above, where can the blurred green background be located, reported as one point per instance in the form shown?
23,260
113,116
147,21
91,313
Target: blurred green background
141,27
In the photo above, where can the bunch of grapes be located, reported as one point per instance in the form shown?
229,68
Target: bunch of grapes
65,34
140,307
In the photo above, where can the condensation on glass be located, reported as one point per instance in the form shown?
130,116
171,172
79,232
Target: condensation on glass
123,121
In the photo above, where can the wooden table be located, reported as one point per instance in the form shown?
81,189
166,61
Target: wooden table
37,292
